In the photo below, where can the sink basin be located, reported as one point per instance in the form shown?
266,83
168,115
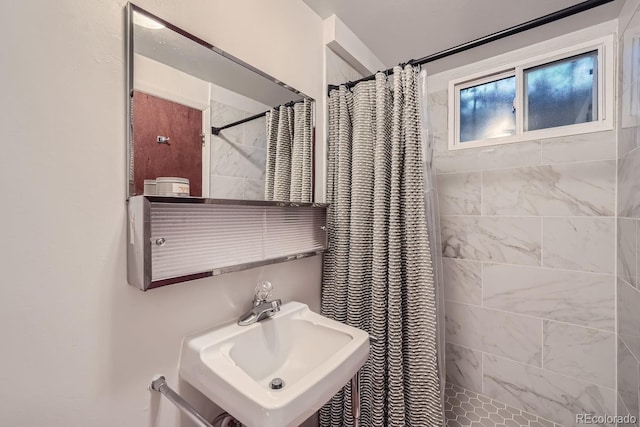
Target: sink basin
234,365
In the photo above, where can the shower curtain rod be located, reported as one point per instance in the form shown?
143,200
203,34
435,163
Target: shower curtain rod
537,22
216,130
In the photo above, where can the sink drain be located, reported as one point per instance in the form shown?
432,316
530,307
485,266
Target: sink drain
276,383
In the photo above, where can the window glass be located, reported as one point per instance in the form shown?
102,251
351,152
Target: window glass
487,110
561,93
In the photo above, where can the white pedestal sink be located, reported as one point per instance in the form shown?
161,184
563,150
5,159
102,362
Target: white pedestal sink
234,365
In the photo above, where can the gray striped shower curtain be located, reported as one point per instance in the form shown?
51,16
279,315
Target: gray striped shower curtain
289,172
378,273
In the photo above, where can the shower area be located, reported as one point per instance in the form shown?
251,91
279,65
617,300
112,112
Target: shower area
535,265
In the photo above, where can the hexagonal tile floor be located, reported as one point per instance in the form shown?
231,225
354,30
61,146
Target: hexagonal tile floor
464,408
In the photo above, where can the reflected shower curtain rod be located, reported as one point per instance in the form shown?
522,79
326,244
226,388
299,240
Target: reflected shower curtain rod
216,130
537,22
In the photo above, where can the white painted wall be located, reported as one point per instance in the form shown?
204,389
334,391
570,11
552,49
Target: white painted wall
157,79
338,70
440,81
79,345
340,39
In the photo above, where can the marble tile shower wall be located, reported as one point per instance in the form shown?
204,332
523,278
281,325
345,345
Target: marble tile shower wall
238,155
529,235
628,210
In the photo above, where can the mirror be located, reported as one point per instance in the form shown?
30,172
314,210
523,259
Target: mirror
197,113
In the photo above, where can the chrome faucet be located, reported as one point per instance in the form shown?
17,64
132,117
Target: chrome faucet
261,307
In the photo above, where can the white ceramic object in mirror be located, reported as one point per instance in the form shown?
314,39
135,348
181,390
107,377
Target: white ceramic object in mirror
234,365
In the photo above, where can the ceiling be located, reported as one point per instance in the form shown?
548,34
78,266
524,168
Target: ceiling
399,30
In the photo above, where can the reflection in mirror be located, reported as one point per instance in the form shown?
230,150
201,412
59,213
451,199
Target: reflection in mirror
198,114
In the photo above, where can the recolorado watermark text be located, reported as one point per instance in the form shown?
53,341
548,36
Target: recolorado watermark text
605,419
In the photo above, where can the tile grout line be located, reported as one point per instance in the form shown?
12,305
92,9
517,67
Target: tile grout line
542,344
541,242
482,284
482,192
507,168
529,316
482,371
532,266
635,288
637,285
488,354
511,216
615,269
541,150
615,288
552,372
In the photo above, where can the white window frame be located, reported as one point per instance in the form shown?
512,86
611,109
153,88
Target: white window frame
605,82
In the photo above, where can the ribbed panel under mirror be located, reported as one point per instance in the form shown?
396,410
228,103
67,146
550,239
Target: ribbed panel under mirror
293,231
206,237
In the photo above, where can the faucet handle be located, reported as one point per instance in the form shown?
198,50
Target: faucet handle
263,290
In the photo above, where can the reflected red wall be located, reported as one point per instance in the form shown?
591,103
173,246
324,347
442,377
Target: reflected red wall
182,157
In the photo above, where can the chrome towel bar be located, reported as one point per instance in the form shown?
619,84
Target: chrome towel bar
160,385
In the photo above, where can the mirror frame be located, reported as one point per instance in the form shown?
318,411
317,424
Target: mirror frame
130,50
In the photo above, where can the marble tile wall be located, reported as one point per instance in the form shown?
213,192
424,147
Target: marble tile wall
628,212
238,155
529,241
